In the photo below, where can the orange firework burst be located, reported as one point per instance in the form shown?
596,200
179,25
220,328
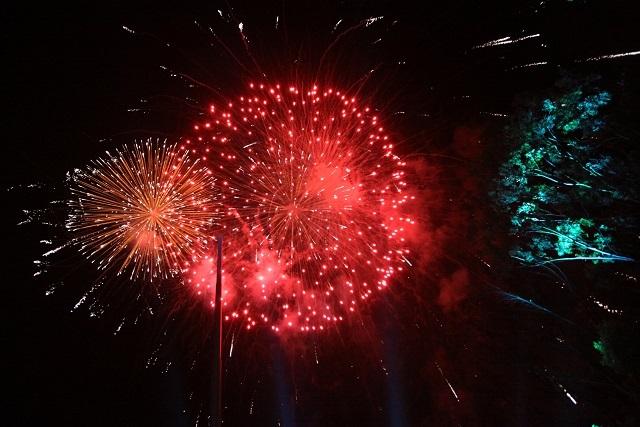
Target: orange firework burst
314,195
146,208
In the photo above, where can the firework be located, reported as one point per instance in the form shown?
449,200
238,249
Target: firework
145,209
314,205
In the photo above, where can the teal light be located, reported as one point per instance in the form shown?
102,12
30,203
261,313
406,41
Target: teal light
599,346
553,174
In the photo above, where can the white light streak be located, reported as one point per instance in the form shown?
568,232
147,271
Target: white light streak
448,383
506,40
494,115
533,64
611,56
372,20
53,251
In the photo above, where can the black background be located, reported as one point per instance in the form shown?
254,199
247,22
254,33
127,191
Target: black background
71,73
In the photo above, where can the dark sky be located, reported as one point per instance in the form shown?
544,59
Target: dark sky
71,74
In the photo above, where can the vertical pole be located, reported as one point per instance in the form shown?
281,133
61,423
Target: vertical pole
217,330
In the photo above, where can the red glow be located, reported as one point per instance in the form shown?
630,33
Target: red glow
315,205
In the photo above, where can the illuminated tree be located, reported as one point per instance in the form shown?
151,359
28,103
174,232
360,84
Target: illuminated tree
560,180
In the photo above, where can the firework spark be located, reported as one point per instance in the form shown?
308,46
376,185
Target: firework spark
146,209
314,205
611,56
505,40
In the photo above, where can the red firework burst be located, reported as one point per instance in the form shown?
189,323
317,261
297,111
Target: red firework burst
315,203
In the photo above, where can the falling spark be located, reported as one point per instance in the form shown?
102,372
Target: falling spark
52,289
494,114
119,327
605,307
370,21
505,40
533,64
492,43
448,383
612,56
80,301
53,251
571,398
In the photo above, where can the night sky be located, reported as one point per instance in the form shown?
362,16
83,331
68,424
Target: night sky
443,346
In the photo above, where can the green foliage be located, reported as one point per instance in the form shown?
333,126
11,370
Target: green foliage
557,176
599,346
618,346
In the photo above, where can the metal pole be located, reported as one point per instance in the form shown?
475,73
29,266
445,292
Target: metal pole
217,329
